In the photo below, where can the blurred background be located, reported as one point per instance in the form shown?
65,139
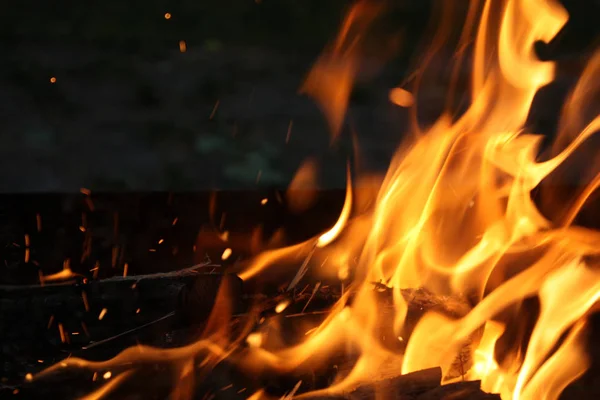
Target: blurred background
193,95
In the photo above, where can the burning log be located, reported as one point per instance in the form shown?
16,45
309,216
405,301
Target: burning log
420,385
460,390
400,386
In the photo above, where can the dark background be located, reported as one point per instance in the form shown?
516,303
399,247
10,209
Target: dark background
128,111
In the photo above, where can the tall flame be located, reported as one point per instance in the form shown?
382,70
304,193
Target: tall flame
455,216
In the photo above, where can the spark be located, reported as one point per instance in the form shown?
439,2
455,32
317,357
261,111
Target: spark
95,377
282,306
53,79
264,201
27,251
85,191
28,377
226,254
107,375
175,221
125,269
138,311
401,97
50,321
167,16
82,228
182,46
102,314
38,220
63,334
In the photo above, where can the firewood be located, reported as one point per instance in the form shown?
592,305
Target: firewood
470,390
402,385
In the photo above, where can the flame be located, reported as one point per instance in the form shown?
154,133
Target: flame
65,274
454,217
329,236
330,80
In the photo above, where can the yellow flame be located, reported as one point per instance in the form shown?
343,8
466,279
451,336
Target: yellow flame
329,236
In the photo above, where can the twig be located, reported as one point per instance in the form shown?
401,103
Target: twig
303,268
307,313
317,286
98,343
133,278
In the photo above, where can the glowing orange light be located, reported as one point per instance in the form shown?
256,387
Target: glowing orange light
401,97
182,46
282,306
102,314
53,80
226,254
167,15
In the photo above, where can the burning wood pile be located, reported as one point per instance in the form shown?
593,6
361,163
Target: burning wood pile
446,282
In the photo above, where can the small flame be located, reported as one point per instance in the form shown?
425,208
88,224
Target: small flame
335,231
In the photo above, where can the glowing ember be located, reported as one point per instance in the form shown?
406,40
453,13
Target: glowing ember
226,254
102,314
282,306
401,97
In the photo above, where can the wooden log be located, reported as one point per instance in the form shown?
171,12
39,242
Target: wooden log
399,386
460,390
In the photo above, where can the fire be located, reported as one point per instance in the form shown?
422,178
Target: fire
454,216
